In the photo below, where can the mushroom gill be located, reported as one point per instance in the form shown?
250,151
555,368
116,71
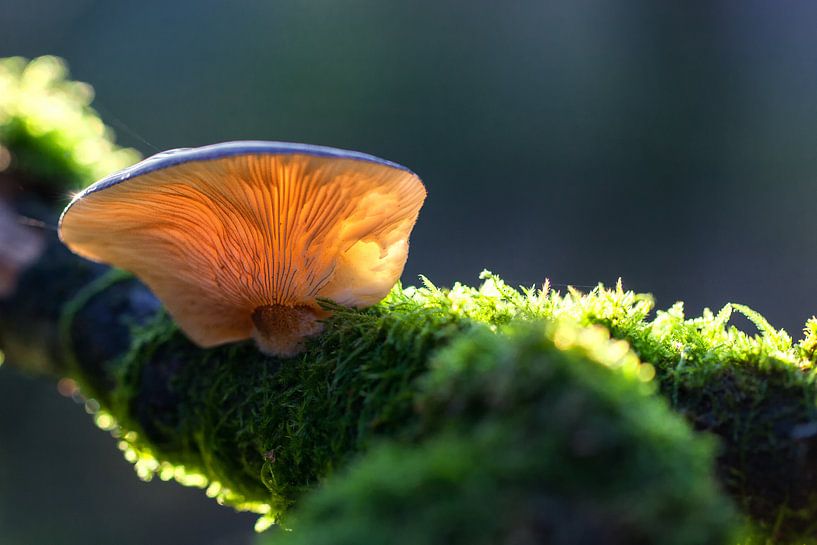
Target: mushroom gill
243,244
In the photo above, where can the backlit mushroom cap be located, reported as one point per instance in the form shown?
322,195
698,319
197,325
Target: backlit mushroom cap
240,239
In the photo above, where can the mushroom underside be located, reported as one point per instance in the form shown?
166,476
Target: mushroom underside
244,246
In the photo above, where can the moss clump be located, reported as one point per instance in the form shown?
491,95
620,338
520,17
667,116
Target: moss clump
48,131
544,435
259,432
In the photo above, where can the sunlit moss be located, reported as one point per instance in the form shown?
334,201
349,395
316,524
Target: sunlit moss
260,432
48,130
524,441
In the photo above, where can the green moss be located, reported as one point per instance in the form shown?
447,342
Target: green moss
267,430
48,131
545,435
260,432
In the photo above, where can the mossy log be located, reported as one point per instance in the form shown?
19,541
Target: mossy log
259,432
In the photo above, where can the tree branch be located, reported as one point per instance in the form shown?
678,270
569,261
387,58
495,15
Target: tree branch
261,432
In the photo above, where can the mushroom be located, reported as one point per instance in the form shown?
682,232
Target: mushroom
241,239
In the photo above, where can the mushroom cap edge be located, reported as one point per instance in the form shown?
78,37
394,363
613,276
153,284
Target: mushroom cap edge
177,156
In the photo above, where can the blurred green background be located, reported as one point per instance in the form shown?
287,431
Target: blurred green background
670,144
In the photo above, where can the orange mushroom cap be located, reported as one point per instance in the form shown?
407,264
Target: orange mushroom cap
240,239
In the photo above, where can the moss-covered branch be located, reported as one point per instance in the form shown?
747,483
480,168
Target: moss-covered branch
266,431
260,432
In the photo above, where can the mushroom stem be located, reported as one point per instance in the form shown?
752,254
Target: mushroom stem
280,330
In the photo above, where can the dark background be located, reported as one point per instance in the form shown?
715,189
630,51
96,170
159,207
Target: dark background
669,144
